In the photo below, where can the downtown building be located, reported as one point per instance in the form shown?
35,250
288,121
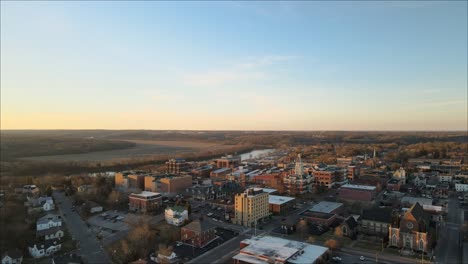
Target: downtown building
251,207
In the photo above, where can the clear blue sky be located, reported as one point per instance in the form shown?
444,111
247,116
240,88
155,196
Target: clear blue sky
234,65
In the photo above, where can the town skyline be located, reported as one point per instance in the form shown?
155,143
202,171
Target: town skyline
286,66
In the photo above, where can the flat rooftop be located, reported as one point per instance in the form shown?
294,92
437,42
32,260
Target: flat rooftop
221,170
145,194
269,249
276,199
325,207
359,187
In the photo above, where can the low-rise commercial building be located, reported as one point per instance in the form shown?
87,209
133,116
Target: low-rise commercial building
281,205
357,192
267,249
328,207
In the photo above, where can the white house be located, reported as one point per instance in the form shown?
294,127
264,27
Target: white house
48,221
44,202
461,187
176,215
445,178
12,257
55,232
45,248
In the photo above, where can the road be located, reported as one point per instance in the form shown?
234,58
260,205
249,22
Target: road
448,249
89,246
353,255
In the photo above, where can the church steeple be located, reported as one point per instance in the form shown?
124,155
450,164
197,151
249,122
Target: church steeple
299,169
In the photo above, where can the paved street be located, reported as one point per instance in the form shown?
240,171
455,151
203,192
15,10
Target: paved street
89,247
448,247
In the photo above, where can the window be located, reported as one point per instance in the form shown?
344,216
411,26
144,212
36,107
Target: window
394,240
421,245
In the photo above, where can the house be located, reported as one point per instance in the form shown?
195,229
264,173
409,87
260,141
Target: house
376,221
46,248
45,203
48,221
198,233
55,232
14,256
167,257
86,188
349,227
420,181
176,215
30,189
410,232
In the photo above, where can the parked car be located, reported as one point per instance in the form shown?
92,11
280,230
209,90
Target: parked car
362,258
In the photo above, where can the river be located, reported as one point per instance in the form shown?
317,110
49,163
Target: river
255,154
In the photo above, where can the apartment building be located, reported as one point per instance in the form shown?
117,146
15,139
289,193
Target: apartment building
176,166
130,180
352,172
228,162
251,206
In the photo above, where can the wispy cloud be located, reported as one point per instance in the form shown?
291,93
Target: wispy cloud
266,61
249,69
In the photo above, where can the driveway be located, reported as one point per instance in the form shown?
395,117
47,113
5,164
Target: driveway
88,245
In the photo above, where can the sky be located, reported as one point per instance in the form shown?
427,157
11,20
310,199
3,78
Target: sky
234,65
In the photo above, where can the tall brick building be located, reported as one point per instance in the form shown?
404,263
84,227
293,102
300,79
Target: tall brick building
175,184
176,166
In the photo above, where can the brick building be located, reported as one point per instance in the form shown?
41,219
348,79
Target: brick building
202,172
357,192
176,166
228,162
274,181
220,174
352,172
198,233
144,202
319,218
174,184
393,185
325,177
281,205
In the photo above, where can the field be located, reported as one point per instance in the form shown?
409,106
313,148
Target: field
142,148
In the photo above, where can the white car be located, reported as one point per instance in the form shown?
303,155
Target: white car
362,258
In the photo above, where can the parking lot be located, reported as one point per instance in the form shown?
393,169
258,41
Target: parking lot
110,221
